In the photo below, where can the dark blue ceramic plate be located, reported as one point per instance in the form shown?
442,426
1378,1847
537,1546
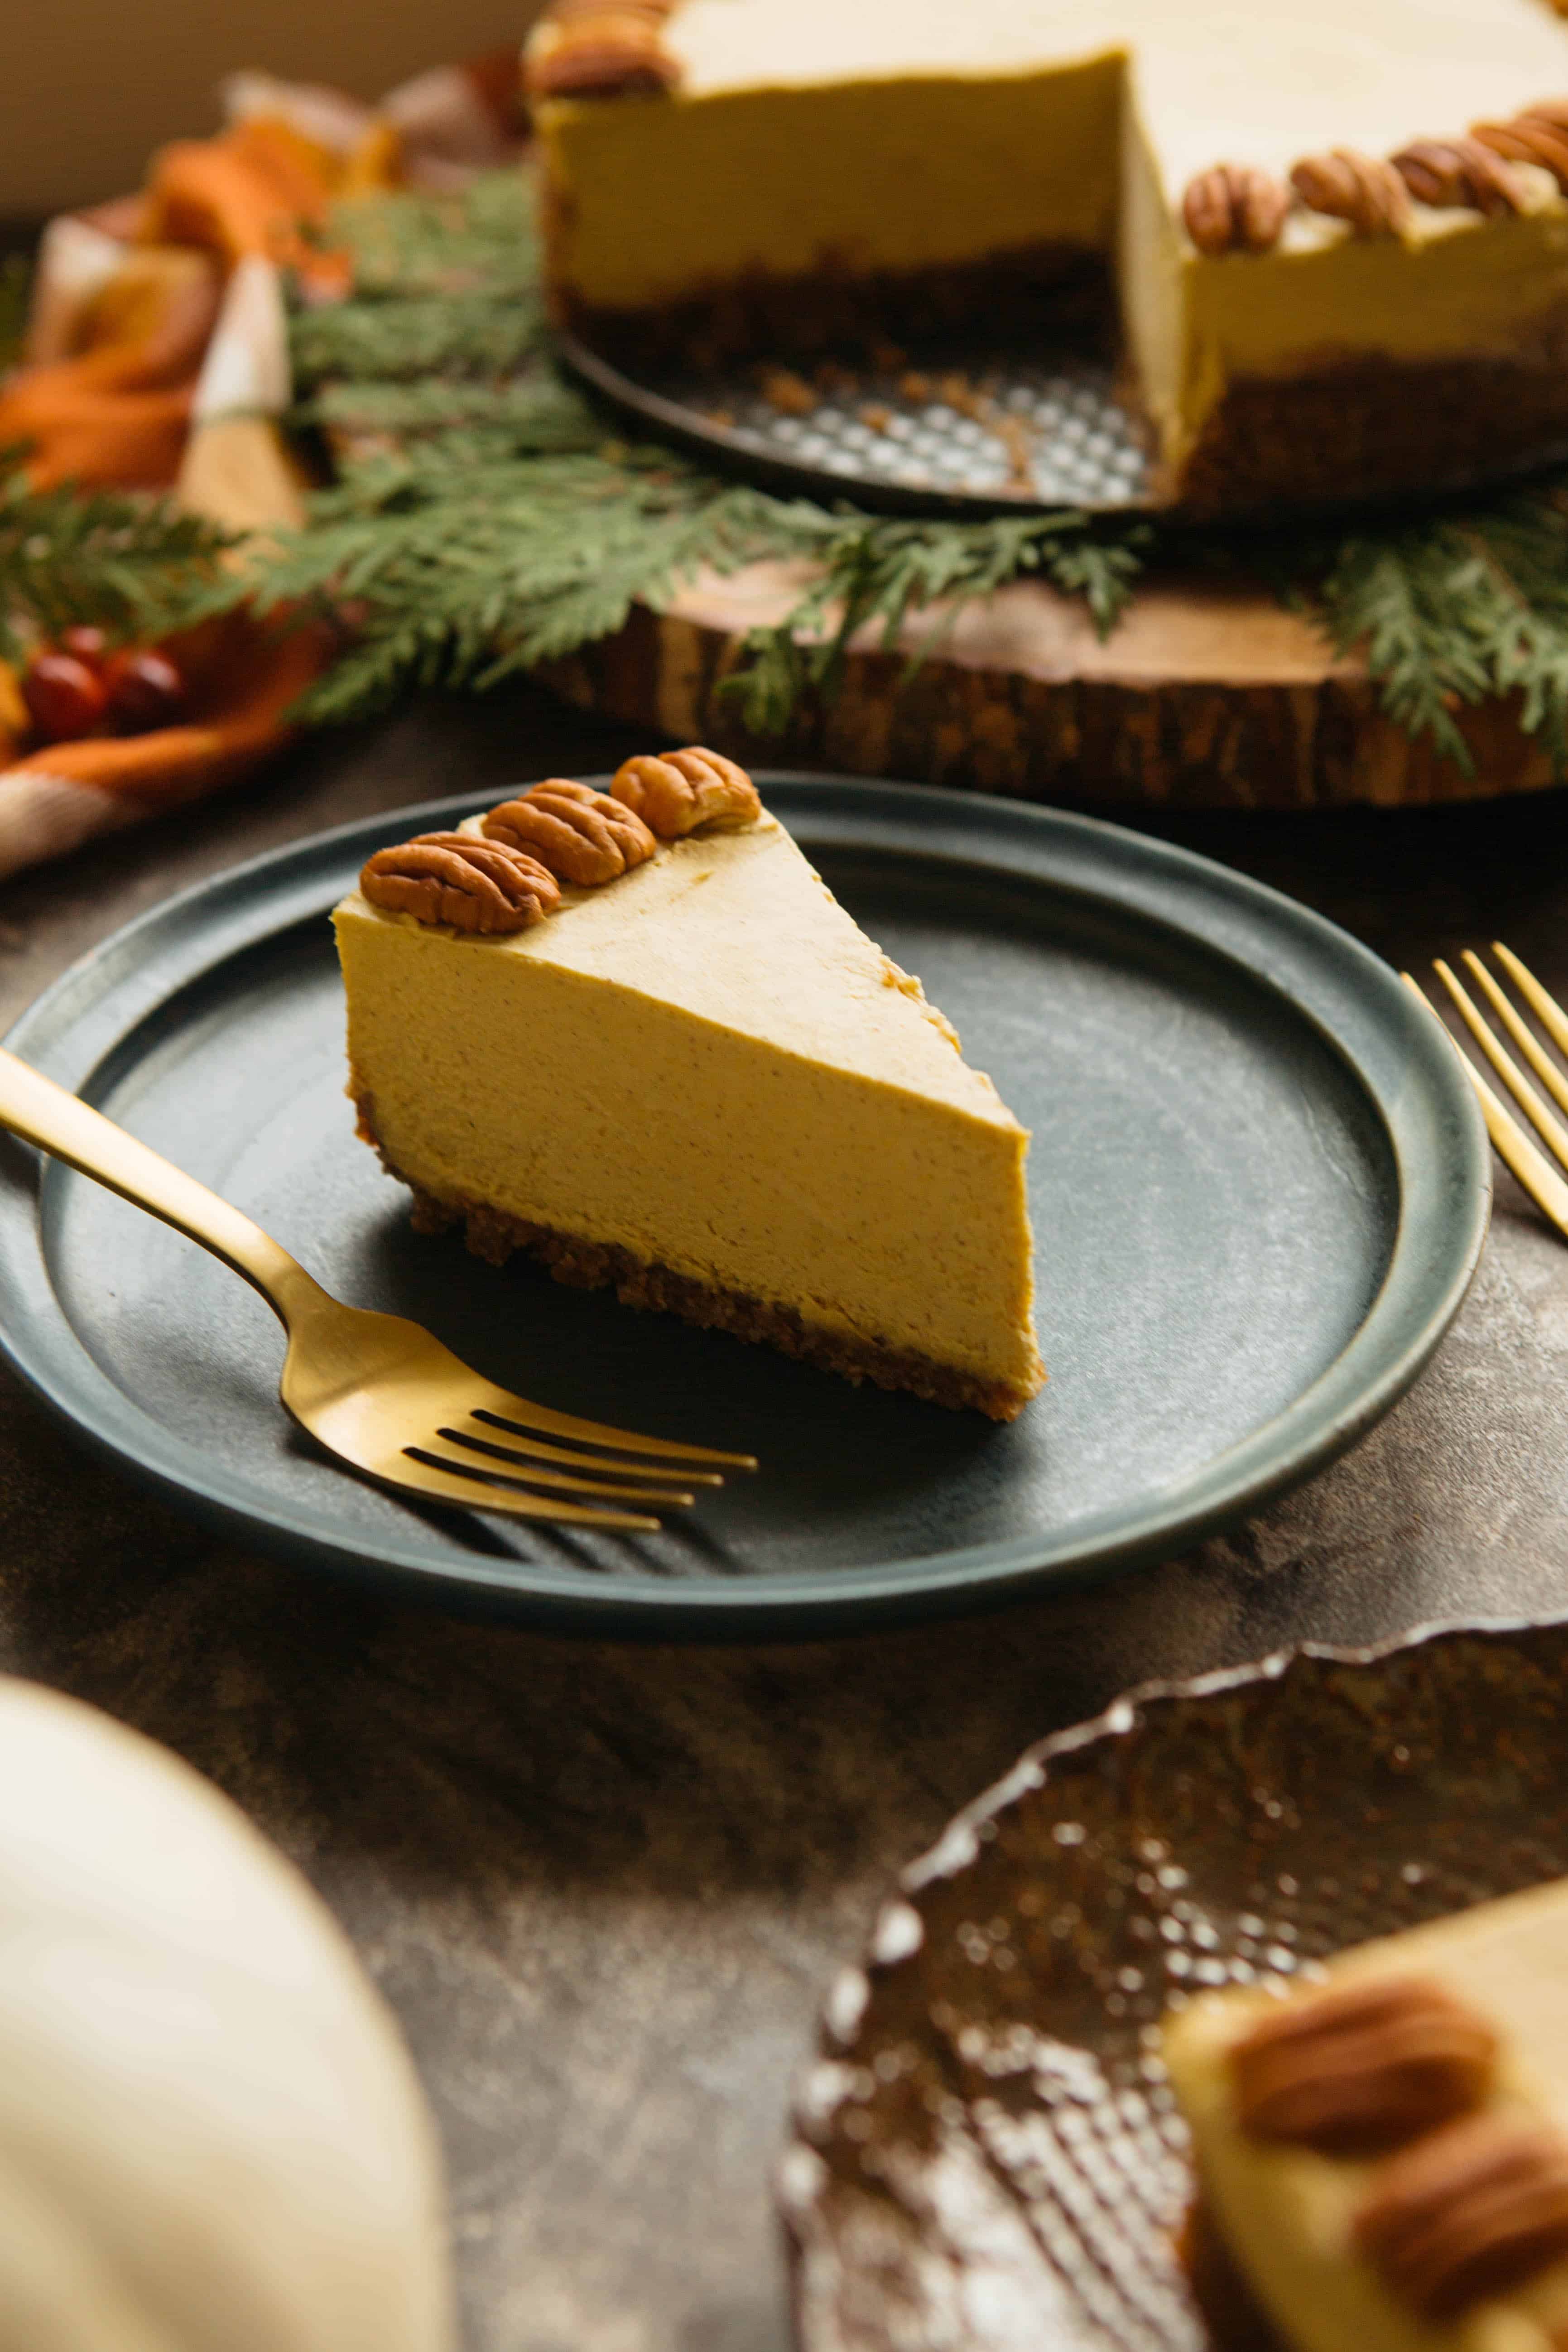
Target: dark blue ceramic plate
1259,1188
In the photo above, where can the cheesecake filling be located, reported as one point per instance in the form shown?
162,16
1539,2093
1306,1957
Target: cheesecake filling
901,176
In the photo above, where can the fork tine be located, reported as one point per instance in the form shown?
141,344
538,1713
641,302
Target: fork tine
478,1431
1546,1009
1514,1148
529,1474
1509,1141
1540,1062
519,1412
1546,1125
439,1486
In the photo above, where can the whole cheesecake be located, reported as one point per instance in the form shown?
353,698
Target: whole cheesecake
636,1036
1337,233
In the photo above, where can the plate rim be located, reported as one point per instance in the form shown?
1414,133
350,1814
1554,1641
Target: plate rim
1123,1714
1440,1230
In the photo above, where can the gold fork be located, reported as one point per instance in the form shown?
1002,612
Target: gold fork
1533,1170
381,1392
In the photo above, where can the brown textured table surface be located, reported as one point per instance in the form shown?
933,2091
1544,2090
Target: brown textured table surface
604,1887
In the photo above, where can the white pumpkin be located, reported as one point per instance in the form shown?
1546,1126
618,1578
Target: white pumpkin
211,2136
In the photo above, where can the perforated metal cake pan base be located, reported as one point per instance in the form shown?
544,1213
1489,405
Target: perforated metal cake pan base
965,438
997,436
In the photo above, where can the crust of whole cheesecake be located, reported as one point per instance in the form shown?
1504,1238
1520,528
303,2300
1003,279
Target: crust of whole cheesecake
1364,427
1025,296
495,1234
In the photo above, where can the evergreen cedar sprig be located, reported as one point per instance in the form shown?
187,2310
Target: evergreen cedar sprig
551,539
873,571
536,414
416,335
134,566
484,241
1457,609
464,563
1449,611
439,285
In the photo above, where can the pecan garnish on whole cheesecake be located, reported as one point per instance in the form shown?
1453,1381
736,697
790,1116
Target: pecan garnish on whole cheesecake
1362,190
1538,136
605,52
1234,208
1459,172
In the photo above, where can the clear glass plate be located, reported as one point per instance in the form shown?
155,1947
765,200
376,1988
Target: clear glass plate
987,2157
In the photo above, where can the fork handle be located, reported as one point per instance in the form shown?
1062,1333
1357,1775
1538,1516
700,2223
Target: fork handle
41,1112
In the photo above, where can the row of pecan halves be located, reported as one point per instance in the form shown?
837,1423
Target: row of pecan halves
507,876
1238,209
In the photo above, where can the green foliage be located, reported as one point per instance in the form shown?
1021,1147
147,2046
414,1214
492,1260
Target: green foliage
134,566
464,563
880,572
483,521
535,413
484,240
1456,608
439,284
415,335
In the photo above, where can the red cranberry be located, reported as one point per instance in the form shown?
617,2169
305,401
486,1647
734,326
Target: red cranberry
65,699
90,645
146,690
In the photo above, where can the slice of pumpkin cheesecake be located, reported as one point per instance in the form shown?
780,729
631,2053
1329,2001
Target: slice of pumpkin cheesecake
634,1034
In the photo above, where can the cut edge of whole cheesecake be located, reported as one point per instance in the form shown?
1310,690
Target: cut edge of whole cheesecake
634,1036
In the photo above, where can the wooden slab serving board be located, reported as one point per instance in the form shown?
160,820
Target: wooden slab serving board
1206,696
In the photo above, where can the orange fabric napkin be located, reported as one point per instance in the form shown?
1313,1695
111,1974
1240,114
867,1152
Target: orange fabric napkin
160,361
116,409
256,189
241,678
